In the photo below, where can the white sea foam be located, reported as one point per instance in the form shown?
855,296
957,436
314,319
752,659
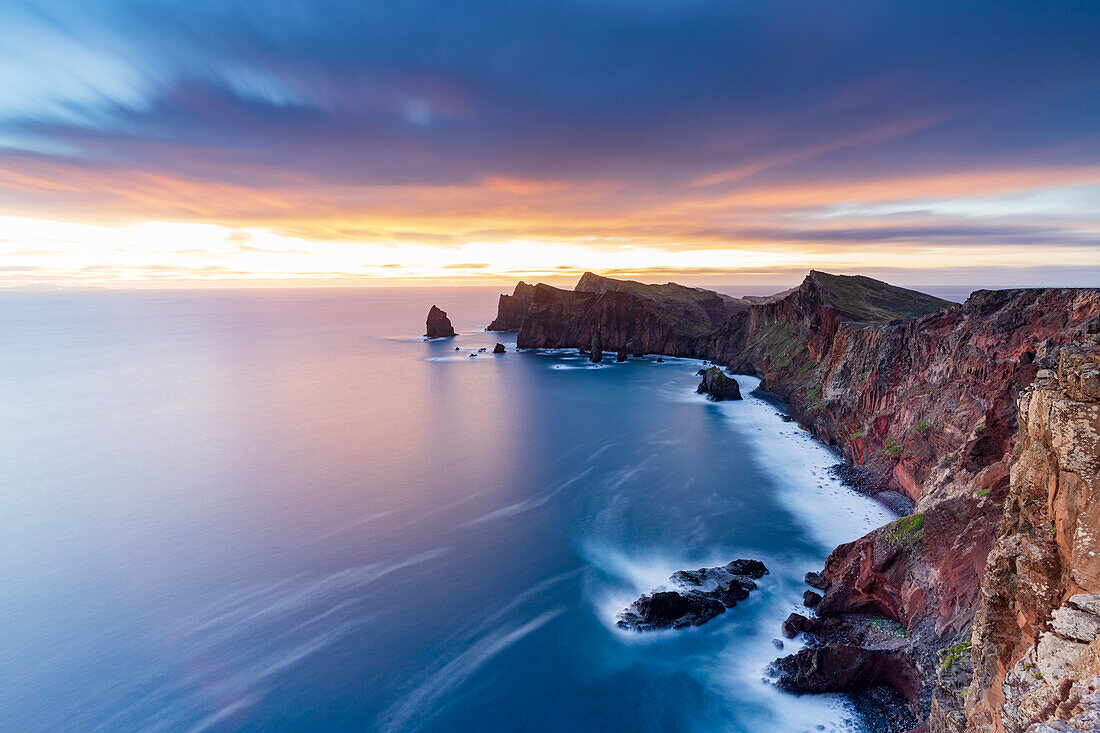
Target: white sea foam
828,509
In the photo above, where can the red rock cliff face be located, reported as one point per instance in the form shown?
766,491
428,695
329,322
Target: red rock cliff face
930,407
1035,649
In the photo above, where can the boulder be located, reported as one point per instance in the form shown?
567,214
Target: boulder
795,624
718,386
498,349
815,580
811,599
439,325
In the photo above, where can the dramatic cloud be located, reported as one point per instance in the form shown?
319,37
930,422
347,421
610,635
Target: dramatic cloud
786,129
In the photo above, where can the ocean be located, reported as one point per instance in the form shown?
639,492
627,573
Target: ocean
285,510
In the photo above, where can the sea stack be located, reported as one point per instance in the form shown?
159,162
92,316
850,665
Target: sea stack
596,354
718,386
439,325
498,349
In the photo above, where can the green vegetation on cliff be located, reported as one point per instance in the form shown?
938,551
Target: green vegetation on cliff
865,299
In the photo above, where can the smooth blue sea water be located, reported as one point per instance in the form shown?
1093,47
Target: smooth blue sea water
278,510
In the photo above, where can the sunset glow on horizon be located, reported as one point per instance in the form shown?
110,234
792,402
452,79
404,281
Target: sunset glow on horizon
210,144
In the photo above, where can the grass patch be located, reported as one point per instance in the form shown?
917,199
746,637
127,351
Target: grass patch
859,433
904,531
984,492
920,427
893,448
888,626
955,656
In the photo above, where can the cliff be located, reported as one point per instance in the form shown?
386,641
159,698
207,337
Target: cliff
628,316
921,396
512,308
1036,656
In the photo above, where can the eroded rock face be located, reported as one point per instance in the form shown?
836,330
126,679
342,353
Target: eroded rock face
1035,635
439,325
512,308
844,668
718,387
693,597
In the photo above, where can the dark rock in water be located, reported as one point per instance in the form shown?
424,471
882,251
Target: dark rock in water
481,350
473,356
498,349
777,643
660,360
620,357
844,668
718,386
795,624
786,418
439,325
638,355
596,354
456,348
811,599
701,372
693,597
816,580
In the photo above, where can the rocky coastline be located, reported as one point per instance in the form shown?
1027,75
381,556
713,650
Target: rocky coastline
979,420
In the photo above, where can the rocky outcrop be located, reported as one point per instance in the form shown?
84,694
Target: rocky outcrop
439,325
512,308
844,668
718,387
693,597
1034,643
498,349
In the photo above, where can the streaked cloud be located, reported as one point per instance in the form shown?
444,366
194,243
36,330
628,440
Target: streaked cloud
474,138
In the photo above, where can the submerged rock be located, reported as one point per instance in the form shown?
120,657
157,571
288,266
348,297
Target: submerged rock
439,325
693,597
498,349
719,386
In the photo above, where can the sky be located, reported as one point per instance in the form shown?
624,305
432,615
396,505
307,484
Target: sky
149,143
